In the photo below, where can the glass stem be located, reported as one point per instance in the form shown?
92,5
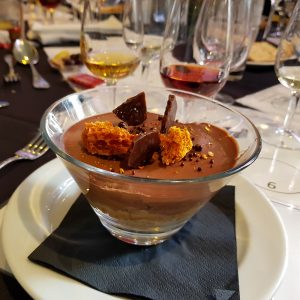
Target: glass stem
51,13
45,14
145,70
112,82
293,102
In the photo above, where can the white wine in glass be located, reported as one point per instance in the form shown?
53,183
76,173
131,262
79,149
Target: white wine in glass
104,51
287,68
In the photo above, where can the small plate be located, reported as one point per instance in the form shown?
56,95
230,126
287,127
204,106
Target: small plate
39,204
260,64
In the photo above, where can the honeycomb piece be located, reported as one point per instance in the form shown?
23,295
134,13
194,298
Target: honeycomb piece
175,144
105,139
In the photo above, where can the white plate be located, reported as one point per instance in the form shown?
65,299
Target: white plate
40,202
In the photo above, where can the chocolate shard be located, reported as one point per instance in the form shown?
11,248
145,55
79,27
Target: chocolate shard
142,150
170,113
133,111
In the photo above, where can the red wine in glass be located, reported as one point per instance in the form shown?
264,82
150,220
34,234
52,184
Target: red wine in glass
49,3
205,80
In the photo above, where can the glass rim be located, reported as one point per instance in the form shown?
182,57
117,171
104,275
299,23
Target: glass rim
235,169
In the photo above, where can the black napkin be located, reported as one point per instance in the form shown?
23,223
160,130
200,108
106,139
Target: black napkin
199,262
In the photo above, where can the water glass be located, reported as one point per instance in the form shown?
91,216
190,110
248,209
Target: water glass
254,21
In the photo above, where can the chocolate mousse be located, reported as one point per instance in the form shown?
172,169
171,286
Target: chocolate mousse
155,146
148,146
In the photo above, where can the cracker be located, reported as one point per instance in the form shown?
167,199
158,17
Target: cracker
262,52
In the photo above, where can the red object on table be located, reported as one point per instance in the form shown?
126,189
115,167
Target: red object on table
85,80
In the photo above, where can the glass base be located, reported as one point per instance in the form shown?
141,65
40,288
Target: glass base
279,137
236,75
224,98
279,180
135,237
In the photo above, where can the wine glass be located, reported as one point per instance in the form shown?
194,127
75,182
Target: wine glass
50,6
197,47
247,16
103,49
287,68
153,15
274,6
133,27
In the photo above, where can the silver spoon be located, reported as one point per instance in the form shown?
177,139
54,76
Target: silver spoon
26,54
3,103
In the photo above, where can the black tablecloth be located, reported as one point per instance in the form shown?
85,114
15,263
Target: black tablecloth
20,121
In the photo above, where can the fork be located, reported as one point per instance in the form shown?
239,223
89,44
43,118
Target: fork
33,150
11,76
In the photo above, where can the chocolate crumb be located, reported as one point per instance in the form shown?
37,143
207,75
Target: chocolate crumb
137,130
199,169
169,115
197,147
182,164
133,111
122,125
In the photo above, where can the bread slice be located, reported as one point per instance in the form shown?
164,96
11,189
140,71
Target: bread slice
262,52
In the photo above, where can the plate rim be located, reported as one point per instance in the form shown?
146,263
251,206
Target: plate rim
56,163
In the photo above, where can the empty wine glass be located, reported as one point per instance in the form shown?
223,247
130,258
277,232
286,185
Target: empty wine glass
243,14
273,7
197,47
280,12
287,68
103,49
152,15
133,27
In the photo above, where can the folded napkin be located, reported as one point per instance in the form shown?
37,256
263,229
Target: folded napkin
70,30
5,41
199,262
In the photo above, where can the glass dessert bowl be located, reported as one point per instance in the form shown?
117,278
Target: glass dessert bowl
145,199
